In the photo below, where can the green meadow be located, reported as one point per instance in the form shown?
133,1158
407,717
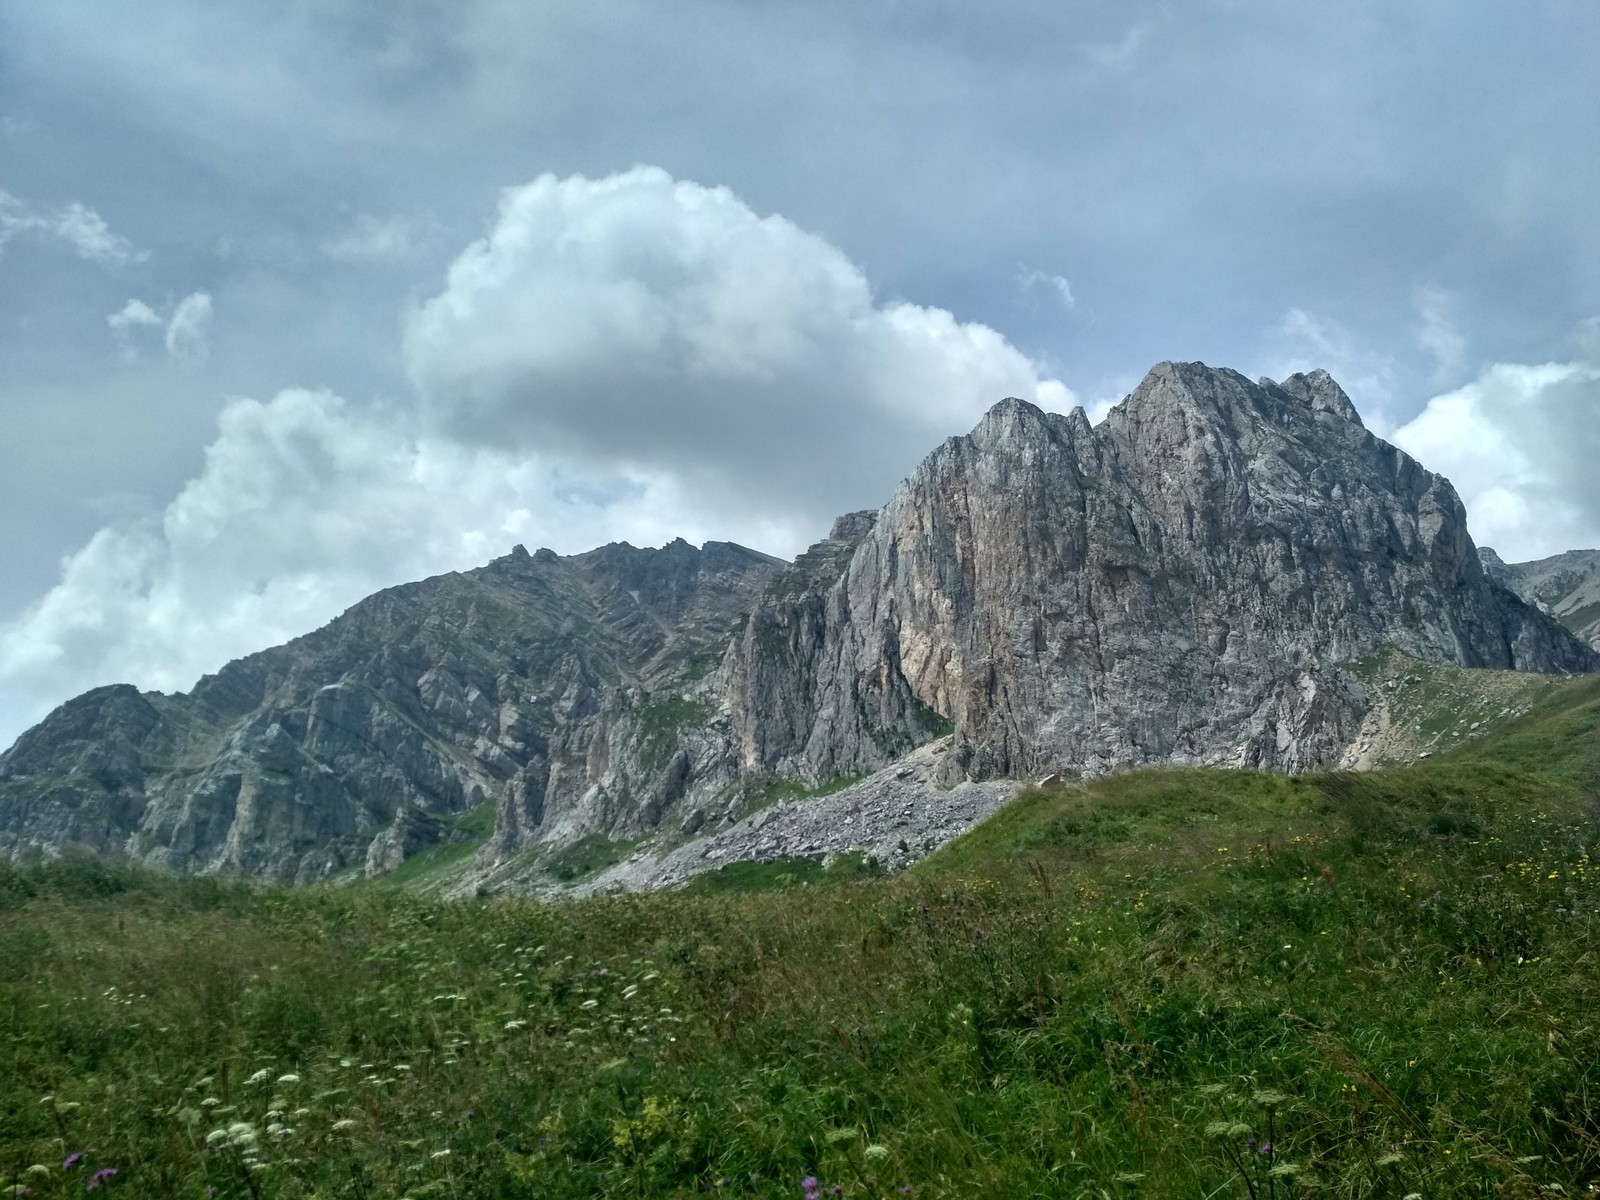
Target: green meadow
1174,983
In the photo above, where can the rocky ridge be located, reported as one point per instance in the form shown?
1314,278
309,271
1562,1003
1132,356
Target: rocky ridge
1180,584
1190,581
1567,586
572,694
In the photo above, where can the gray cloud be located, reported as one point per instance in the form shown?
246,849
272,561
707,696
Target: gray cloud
642,320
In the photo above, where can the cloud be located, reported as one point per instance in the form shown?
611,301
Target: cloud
1520,444
1029,278
627,358
382,239
304,505
187,330
1115,55
645,321
1437,334
135,314
81,228
185,333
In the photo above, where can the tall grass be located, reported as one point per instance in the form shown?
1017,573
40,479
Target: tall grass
1166,984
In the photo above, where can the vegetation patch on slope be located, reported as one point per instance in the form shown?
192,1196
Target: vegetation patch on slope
1421,709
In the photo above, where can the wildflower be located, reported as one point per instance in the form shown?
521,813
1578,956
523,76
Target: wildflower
288,1078
515,1024
876,1151
440,1154
22,1189
347,1123
99,1177
72,1159
1266,1148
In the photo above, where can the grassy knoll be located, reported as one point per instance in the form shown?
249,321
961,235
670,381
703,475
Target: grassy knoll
1127,989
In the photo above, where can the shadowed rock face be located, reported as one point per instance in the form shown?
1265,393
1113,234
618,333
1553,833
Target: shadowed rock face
1567,586
556,688
1180,584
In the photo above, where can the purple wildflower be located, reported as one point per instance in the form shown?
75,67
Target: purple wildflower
99,1177
1266,1148
72,1159
810,1183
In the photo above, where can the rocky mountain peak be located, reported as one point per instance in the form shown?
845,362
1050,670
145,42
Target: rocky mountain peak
1185,583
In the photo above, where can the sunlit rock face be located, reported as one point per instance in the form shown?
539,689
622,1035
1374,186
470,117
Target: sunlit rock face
1179,585
1185,583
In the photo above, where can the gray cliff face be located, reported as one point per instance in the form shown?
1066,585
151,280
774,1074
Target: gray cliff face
1178,585
1184,583
1567,586
572,693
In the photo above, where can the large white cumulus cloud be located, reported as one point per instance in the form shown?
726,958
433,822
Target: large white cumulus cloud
645,320
304,505
1522,445
626,358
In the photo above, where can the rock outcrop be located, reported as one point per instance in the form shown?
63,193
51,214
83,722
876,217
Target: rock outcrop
1184,583
1179,584
1567,586
574,694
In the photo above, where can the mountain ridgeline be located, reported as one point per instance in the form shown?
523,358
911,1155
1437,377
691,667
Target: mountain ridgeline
1189,582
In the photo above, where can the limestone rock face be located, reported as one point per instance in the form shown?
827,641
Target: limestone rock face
1567,586
571,693
1184,583
1178,585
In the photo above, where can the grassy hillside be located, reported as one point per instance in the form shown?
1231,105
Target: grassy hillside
1167,983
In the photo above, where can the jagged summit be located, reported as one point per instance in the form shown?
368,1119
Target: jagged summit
1184,583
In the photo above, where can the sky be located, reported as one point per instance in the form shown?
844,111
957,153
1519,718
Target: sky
305,299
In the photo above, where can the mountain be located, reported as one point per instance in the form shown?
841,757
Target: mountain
522,684
1567,586
1191,581
1180,584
